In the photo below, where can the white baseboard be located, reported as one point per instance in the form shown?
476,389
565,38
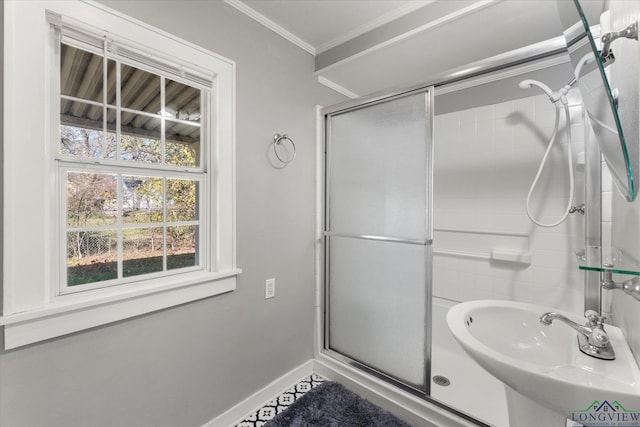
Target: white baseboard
254,402
413,410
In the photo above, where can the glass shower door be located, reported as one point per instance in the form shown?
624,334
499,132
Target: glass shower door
378,236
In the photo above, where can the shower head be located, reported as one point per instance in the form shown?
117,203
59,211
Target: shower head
526,84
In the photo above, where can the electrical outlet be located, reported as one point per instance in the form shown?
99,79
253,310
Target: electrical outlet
269,288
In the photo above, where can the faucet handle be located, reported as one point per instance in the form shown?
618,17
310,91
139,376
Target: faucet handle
599,338
594,318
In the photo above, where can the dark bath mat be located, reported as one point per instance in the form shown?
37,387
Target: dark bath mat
332,405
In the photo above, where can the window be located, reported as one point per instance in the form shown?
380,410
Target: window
118,170
130,166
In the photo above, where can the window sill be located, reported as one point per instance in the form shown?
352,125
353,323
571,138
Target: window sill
63,316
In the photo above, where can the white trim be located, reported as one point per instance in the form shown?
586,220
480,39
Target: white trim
83,301
231,198
32,327
412,409
460,13
239,412
342,38
9,114
373,24
319,265
281,31
335,86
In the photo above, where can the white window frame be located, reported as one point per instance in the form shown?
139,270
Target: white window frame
89,42
34,308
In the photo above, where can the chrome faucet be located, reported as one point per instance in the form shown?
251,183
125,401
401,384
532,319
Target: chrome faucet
592,338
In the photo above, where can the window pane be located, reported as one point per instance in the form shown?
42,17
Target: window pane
140,90
140,138
111,82
141,199
181,247
182,101
91,257
91,199
142,251
183,144
80,113
85,142
182,196
110,152
81,74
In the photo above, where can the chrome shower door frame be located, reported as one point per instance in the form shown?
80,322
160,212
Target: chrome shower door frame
327,233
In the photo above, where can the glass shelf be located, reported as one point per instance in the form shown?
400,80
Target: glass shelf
596,258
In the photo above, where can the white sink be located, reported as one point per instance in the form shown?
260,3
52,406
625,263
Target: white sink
542,362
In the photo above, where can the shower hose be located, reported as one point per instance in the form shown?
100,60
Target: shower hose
556,98
552,139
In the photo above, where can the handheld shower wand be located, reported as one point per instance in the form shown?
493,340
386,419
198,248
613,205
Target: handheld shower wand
555,98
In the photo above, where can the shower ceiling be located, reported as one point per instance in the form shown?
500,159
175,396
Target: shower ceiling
366,46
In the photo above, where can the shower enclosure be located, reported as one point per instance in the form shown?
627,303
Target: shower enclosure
424,207
378,236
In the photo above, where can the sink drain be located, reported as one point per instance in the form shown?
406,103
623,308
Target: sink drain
442,381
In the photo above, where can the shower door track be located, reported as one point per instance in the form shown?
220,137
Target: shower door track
554,48
377,374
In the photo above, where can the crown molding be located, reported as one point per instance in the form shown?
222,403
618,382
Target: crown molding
257,16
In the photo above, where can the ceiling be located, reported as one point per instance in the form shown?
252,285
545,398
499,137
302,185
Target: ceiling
367,46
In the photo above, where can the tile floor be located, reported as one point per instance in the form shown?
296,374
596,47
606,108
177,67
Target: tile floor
282,402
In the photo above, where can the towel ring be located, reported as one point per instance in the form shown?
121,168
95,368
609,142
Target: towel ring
277,140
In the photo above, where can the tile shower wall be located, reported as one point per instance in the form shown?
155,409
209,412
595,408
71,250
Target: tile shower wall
624,229
625,218
606,229
485,161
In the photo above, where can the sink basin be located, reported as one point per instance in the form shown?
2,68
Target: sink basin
544,363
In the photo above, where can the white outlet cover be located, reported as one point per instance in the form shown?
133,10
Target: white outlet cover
269,288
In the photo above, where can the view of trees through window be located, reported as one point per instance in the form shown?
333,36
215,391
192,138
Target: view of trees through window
123,220
154,214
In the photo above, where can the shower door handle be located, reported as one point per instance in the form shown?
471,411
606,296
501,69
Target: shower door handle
422,242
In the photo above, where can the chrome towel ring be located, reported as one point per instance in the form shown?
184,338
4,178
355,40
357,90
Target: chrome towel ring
277,141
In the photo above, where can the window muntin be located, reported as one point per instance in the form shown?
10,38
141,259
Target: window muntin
133,202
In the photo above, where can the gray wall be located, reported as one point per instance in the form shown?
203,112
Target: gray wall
184,366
